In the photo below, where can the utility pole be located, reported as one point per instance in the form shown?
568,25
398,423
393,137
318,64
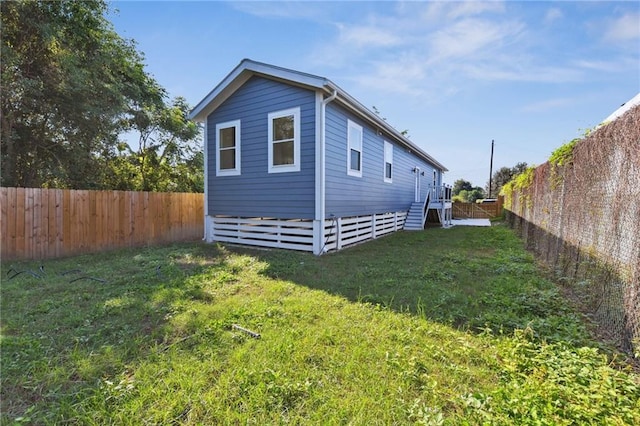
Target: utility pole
491,169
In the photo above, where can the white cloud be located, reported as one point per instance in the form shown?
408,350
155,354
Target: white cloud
471,8
438,11
552,15
431,51
505,70
625,28
609,66
402,76
469,37
282,9
367,36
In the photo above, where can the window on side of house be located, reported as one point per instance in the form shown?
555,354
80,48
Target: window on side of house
284,141
354,149
228,148
388,162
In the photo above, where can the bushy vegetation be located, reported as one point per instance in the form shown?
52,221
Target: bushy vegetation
563,155
73,92
453,326
464,192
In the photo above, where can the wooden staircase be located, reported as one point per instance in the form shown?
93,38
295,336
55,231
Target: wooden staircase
438,202
416,217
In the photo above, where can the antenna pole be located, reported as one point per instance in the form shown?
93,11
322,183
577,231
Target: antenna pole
491,169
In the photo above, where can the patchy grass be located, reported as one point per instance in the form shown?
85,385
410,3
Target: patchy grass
450,326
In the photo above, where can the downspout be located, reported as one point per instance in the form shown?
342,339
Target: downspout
205,138
320,172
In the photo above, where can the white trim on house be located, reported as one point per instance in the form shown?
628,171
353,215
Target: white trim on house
318,229
298,234
243,72
388,159
354,144
265,232
209,229
205,138
283,168
346,231
248,68
235,124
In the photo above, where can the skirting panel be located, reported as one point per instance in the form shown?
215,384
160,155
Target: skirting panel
294,234
297,234
345,231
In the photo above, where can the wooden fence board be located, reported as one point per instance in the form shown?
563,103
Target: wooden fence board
477,210
66,222
42,222
5,237
47,223
20,220
59,218
29,242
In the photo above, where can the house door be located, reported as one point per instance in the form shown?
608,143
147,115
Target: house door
417,192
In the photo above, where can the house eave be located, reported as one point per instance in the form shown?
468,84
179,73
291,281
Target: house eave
355,106
240,74
248,68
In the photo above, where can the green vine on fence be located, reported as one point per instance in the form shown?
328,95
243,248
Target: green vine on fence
520,184
564,155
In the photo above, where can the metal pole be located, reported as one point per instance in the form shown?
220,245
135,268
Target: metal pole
491,170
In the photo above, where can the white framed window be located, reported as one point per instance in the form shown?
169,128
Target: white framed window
354,149
388,162
228,148
284,141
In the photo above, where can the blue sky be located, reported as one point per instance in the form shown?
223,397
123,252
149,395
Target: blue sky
529,75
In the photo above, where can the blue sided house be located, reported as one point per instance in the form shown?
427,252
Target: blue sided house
295,162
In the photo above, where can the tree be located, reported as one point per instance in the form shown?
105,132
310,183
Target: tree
469,195
69,84
460,185
168,157
502,176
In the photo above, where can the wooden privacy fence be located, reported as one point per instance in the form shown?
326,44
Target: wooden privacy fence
478,210
47,223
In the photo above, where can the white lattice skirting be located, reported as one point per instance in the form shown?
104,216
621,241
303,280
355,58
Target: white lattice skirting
345,231
298,234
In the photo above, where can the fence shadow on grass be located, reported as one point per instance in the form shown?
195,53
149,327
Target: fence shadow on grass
470,278
596,285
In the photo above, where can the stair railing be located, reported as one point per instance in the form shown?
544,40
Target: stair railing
425,207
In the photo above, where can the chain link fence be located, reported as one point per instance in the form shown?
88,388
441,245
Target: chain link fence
583,220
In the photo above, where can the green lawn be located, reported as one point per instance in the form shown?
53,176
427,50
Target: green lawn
454,326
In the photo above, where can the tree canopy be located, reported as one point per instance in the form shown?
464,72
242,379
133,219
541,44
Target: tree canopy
463,191
460,185
71,87
168,157
502,176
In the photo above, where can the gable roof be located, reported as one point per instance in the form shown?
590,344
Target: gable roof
248,68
